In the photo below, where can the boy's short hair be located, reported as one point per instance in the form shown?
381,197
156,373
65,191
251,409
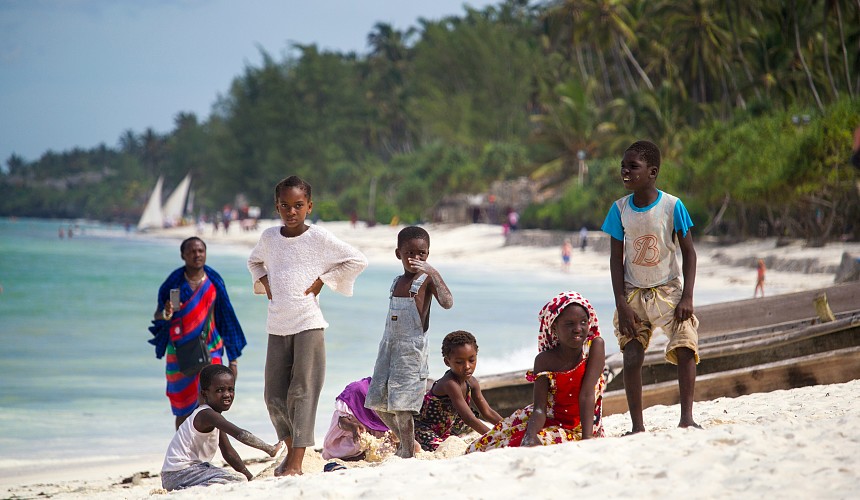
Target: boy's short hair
188,241
456,339
210,371
648,151
293,181
412,233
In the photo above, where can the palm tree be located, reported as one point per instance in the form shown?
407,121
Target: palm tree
795,19
129,143
602,27
388,66
700,29
571,125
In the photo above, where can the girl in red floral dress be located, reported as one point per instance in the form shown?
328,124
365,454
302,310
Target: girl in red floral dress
568,381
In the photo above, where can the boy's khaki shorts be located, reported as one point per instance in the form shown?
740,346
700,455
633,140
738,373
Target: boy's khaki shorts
656,308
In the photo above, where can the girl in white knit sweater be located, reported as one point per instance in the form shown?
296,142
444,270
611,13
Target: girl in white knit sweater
290,264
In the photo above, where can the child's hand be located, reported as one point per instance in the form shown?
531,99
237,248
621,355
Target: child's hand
315,288
628,321
265,282
422,266
684,309
277,448
350,424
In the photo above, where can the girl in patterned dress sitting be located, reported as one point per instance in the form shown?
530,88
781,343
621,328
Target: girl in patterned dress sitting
446,410
568,381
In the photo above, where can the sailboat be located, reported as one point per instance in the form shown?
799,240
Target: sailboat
152,216
174,207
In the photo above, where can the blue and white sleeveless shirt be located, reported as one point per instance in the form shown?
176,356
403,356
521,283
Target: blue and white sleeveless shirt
650,248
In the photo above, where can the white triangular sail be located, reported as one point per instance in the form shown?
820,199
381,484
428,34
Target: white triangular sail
189,207
152,216
174,207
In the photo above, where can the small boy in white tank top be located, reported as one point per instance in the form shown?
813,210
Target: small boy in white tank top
187,462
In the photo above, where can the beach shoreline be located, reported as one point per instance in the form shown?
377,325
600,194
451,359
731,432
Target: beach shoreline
483,246
729,266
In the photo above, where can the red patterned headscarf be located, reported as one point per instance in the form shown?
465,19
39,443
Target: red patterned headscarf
547,339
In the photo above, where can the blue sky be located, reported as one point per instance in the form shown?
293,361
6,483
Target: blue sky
77,73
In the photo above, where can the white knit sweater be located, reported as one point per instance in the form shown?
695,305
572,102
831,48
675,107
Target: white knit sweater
292,265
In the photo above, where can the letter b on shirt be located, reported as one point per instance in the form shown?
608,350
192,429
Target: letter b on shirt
645,250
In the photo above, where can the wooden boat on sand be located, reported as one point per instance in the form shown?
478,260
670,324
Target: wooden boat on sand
757,345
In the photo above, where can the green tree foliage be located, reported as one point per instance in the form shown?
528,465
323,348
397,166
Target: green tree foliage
516,89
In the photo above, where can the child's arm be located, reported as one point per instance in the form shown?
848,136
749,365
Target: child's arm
628,320
593,370
538,416
451,388
351,425
257,267
315,288
440,289
489,414
209,419
343,263
264,280
231,456
684,309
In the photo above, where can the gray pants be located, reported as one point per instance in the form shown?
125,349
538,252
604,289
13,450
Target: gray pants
202,474
295,372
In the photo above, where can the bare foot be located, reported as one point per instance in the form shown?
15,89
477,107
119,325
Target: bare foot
685,425
292,464
285,470
634,431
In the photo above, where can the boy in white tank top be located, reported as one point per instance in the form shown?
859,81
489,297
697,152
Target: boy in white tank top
187,462
647,228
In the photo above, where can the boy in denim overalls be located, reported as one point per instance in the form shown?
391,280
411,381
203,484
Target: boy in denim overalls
399,378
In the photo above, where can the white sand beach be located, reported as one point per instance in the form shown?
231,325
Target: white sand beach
484,245
801,443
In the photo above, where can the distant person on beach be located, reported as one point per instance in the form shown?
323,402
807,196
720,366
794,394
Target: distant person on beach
447,409
290,264
568,381
566,250
513,219
759,281
187,462
647,227
226,217
400,375
583,238
205,310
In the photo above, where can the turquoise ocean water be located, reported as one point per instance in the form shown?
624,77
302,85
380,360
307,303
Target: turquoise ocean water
82,383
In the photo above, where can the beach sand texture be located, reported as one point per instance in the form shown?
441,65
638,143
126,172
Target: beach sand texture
802,443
